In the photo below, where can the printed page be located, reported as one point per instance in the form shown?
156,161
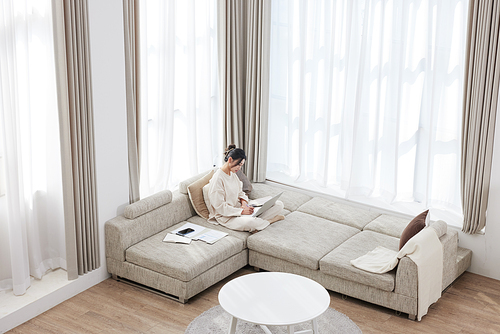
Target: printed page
176,238
210,236
200,233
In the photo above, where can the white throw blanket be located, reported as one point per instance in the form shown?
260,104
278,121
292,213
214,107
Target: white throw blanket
426,251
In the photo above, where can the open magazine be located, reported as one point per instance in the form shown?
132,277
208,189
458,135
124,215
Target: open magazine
195,232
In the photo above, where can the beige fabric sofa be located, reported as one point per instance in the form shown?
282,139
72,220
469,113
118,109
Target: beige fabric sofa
317,239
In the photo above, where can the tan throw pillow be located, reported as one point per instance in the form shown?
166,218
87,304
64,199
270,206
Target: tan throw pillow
247,186
195,192
415,226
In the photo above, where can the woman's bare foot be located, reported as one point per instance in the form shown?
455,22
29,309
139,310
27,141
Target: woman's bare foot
276,218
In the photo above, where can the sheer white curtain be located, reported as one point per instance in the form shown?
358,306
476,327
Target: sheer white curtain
31,212
366,100
181,131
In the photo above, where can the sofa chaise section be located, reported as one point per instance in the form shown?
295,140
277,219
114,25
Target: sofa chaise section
135,250
396,289
301,238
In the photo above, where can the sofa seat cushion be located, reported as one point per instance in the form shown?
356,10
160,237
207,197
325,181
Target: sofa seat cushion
389,225
300,238
339,212
291,199
181,261
338,261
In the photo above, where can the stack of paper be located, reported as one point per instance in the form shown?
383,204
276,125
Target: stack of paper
210,236
199,233
176,238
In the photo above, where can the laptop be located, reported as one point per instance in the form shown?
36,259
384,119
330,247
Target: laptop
266,206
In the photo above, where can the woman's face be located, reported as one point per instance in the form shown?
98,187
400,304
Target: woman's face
235,166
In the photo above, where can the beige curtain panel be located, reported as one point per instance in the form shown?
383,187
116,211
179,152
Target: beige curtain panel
76,122
231,43
257,88
244,31
482,79
132,77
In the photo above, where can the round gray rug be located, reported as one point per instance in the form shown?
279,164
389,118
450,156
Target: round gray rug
216,320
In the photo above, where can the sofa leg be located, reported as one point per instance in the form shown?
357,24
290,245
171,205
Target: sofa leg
412,316
147,288
256,269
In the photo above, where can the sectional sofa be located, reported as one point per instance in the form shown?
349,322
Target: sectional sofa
318,239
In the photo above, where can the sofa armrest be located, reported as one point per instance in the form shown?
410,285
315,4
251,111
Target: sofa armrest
121,232
450,247
406,272
406,278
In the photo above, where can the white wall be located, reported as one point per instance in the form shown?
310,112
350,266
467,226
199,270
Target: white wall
108,80
486,248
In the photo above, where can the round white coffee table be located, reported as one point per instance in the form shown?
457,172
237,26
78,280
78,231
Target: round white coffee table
274,299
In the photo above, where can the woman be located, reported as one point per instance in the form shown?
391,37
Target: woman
229,204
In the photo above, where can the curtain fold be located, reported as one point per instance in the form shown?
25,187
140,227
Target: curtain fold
231,43
365,101
77,135
180,121
482,78
244,30
31,210
257,88
132,74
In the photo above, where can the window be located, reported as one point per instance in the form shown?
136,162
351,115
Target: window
365,101
181,132
31,212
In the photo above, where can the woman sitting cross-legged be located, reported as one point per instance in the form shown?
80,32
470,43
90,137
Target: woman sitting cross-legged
229,204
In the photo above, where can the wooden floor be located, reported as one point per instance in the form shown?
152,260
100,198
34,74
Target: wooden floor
470,305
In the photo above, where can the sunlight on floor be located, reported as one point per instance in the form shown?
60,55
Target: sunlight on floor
39,288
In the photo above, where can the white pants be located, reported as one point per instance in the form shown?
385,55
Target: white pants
250,224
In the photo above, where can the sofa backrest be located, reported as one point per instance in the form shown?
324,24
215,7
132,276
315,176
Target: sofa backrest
147,204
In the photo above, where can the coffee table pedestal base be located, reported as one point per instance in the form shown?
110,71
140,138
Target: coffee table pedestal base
291,330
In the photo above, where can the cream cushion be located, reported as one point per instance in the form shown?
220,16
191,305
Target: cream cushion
301,238
338,262
182,262
195,192
207,200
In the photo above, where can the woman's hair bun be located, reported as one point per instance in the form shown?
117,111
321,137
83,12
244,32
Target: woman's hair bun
229,149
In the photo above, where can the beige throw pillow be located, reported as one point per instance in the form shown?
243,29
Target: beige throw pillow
195,192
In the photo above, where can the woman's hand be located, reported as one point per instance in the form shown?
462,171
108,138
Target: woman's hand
247,210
